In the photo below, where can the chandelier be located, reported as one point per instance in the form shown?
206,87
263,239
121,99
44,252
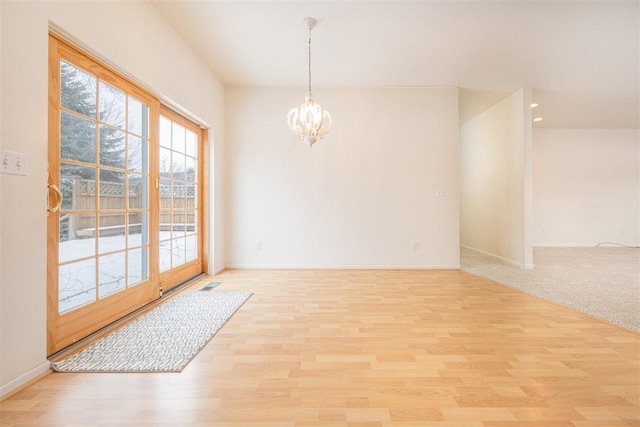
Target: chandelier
309,120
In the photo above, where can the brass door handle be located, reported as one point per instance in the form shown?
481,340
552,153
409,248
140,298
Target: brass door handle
60,198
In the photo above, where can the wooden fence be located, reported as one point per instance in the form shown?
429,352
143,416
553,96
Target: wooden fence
113,201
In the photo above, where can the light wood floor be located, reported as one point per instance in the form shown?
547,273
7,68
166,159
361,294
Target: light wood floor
369,348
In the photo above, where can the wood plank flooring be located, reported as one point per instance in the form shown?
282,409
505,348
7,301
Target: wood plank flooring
369,348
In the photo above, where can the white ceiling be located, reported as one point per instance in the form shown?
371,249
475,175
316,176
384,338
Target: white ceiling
581,58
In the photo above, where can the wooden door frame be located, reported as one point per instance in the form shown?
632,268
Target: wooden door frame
62,333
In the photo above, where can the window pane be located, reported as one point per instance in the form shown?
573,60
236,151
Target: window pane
177,166
192,248
111,147
165,163
77,236
112,189
138,189
77,90
178,200
192,196
179,223
165,132
78,187
76,284
111,273
165,255
138,234
77,138
138,117
192,145
111,232
112,105
192,222
191,169
138,266
165,224
178,138
138,153
165,194
178,252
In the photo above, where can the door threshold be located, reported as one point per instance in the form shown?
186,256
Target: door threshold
91,338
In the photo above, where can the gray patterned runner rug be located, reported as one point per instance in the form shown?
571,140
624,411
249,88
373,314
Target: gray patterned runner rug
162,340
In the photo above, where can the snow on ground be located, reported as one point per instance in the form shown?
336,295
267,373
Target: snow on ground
114,272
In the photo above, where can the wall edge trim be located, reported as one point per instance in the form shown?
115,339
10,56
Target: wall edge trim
577,245
347,266
508,261
23,379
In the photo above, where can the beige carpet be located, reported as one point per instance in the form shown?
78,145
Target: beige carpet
603,282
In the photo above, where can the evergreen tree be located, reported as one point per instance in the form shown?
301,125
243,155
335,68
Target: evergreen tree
78,136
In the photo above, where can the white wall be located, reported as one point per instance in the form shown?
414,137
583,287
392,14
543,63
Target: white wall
1,179
360,197
495,180
135,39
586,186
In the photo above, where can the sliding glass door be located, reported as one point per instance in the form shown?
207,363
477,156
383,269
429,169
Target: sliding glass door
179,154
124,214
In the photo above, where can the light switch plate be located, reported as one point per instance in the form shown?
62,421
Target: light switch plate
14,163
440,192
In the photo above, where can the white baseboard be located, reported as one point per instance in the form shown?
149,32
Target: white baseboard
578,245
564,245
344,267
24,378
508,261
218,270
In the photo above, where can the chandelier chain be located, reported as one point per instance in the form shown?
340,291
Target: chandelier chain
309,61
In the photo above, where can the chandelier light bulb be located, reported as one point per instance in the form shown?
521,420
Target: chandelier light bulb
309,121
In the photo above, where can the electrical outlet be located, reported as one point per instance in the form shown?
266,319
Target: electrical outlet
416,246
13,163
440,192
258,245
